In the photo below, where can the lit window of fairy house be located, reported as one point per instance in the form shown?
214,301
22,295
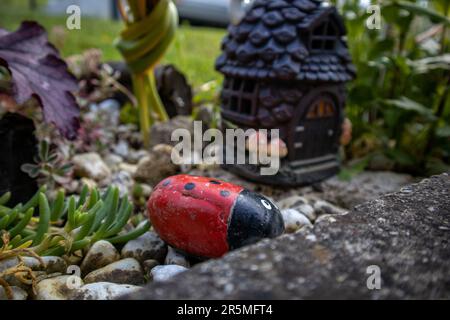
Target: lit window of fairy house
285,66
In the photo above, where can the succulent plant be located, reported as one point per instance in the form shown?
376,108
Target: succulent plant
49,168
66,225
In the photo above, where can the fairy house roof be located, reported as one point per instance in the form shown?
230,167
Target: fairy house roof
288,40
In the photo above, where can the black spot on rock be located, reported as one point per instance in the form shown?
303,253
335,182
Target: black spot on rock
189,186
225,193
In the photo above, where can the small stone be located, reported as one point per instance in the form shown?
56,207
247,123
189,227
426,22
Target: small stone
91,165
307,210
326,218
134,156
8,263
99,255
294,220
104,291
121,148
161,132
209,163
58,288
87,182
123,181
324,207
75,258
130,168
173,257
148,265
165,273
195,160
113,161
291,202
51,264
126,271
109,112
146,190
148,246
17,294
157,166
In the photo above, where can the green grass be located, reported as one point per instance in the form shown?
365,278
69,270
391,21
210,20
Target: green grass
193,52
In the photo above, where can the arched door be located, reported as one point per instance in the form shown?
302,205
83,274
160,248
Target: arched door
316,134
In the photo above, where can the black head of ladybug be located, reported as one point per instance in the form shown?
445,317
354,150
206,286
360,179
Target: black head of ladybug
253,218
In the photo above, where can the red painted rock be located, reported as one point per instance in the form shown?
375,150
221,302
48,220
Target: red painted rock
205,217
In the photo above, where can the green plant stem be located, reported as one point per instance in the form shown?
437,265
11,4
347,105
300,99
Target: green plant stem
145,117
60,250
44,219
137,232
156,104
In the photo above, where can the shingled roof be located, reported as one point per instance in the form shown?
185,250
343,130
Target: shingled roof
272,42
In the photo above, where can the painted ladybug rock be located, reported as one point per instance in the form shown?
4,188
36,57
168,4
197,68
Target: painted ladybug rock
204,217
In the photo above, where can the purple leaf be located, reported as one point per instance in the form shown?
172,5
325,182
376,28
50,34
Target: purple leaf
38,71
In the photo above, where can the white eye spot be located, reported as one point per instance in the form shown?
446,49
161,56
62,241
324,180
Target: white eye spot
266,204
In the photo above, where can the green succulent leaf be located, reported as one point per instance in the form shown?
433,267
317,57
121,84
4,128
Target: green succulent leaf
92,218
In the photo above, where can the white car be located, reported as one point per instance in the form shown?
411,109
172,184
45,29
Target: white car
212,12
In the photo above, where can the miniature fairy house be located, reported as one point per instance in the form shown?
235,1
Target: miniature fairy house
285,67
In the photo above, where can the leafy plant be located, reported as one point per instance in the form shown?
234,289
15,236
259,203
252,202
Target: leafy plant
49,167
66,225
36,70
97,81
400,102
150,28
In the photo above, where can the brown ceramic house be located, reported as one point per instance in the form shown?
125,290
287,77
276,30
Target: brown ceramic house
285,66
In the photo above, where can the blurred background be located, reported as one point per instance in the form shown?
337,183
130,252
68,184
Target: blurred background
399,104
